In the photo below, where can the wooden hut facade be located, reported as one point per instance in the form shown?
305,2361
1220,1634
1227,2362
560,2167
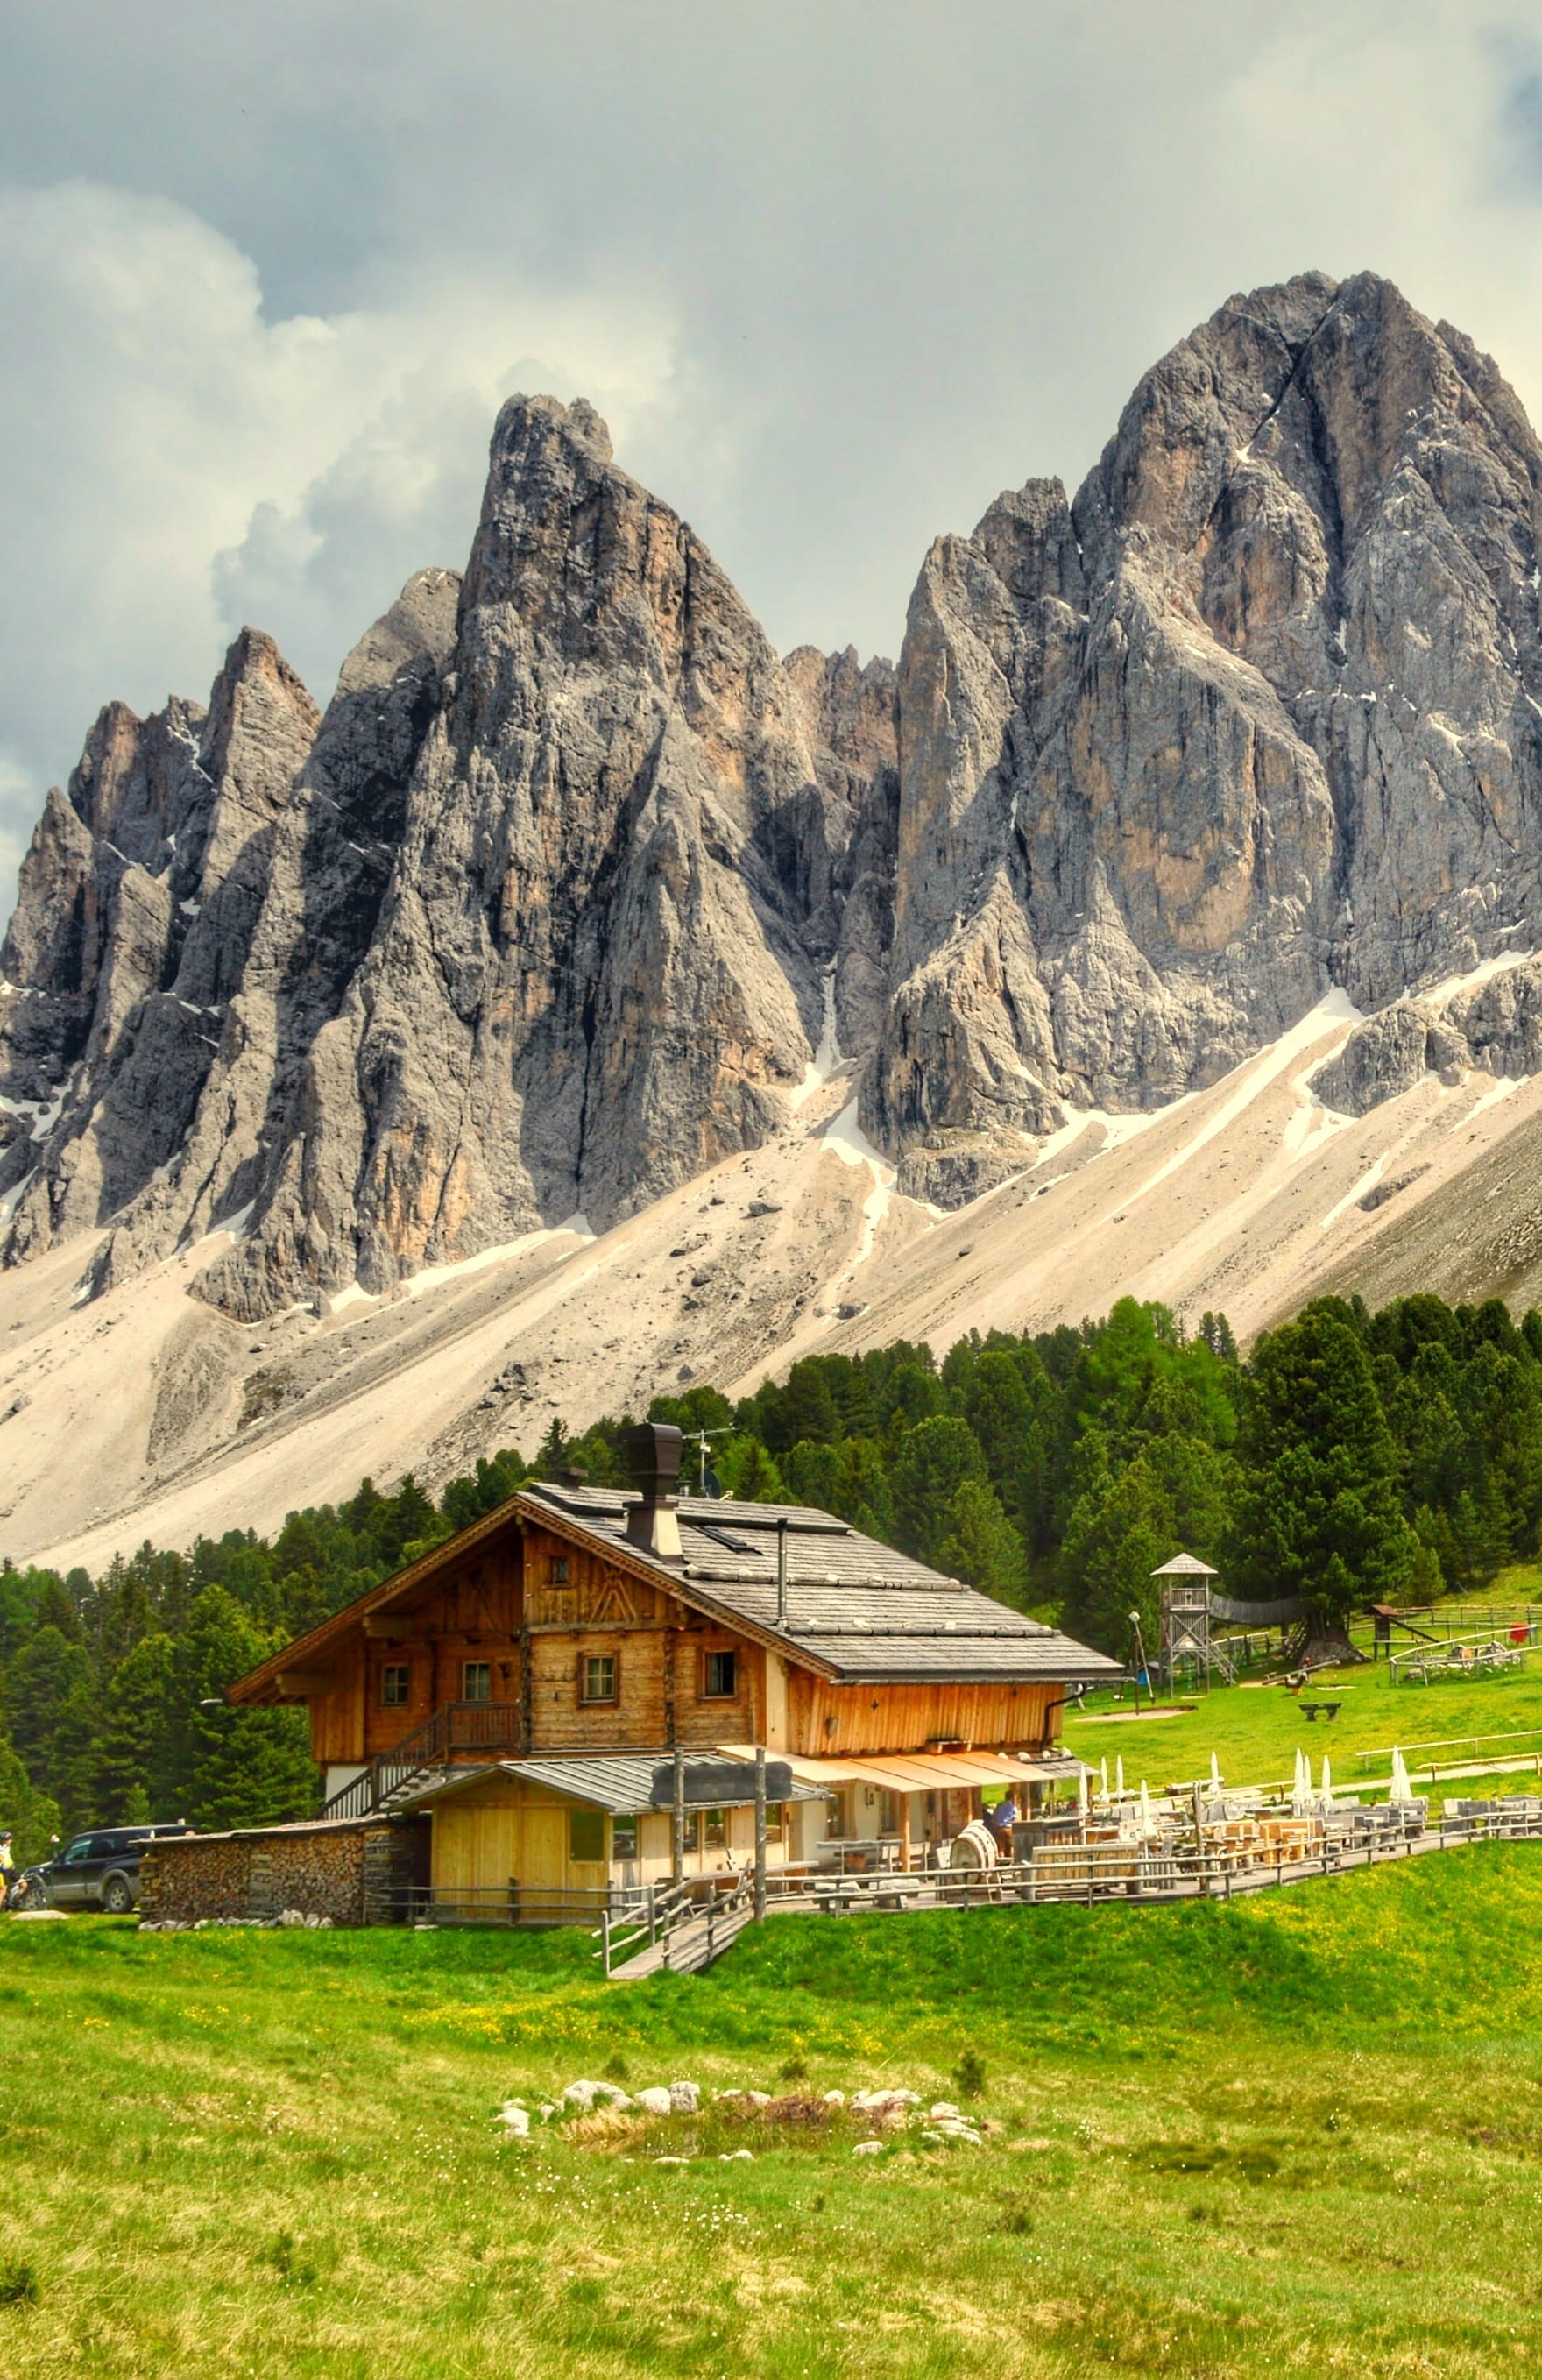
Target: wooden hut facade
491,1680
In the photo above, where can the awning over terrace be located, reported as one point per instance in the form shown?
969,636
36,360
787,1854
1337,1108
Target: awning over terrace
924,1772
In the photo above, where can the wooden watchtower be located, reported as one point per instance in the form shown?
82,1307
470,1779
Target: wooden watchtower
1186,1641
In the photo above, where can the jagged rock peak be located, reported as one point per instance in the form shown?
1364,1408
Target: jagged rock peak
1256,715
554,906
533,922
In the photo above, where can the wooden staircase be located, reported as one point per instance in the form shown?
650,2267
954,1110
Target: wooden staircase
484,1729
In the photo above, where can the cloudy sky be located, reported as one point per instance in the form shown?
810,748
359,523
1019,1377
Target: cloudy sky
836,272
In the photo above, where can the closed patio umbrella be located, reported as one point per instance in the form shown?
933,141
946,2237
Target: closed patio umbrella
1300,1792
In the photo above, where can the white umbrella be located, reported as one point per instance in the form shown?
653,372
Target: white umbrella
1145,1808
1402,1791
1119,1776
1325,1802
1301,1792
1215,1774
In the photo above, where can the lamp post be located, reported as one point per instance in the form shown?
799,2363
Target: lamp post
1139,1663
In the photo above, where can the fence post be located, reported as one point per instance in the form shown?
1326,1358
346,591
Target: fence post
605,1941
760,1833
679,1815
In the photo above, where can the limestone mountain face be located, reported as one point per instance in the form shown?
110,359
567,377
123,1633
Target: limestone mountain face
1255,716
577,885
540,919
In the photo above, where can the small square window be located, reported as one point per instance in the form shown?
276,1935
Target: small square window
717,1831
623,1839
597,1678
690,1833
721,1677
396,1685
556,1570
585,1834
476,1682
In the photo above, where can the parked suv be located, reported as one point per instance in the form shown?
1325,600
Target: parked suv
102,1871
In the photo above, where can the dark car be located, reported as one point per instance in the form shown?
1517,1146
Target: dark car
102,1871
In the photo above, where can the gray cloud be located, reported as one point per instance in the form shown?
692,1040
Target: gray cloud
837,276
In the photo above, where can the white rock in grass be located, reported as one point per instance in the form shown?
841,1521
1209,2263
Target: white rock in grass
655,2101
960,2132
944,2108
582,2094
758,2098
737,2156
868,2148
834,2099
671,2160
515,2119
685,2098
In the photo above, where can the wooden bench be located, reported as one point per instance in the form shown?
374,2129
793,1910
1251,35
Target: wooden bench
1329,1711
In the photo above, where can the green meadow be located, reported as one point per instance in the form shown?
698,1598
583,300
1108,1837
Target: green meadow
1297,2134
1253,1730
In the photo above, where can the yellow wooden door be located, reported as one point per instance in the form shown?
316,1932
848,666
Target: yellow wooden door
543,1855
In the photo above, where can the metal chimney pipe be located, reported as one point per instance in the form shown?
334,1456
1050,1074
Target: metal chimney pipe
782,1571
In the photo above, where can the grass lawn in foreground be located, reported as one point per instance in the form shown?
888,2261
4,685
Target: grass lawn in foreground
1301,2134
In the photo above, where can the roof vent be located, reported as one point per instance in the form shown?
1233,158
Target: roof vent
652,1452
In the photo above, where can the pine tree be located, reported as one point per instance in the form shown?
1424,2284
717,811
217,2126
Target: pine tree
752,1476
40,1681
933,1461
1321,1516
232,1766
978,1544
552,1454
134,1729
33,1817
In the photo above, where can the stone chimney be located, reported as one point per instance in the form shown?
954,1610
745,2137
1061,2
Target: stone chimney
653,1457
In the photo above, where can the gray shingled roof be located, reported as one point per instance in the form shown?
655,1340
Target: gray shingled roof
622,1786
855,1607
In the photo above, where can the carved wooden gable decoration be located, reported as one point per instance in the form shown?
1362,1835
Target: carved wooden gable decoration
594,1594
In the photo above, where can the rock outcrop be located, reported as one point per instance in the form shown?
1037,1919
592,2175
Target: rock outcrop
1257,714
537,920
578,879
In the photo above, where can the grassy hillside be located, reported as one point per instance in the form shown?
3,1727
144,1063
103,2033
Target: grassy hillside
1302,2132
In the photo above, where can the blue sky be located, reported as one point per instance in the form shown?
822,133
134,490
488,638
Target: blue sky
836,272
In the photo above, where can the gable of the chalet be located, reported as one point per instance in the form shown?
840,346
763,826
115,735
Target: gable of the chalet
553,1626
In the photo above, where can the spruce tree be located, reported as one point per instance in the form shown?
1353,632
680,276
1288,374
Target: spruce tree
1321,1516
933,1461
134,1732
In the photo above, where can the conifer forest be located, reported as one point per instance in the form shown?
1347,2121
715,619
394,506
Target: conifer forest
1351,1457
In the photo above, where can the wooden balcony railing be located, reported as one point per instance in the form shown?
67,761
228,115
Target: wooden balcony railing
453,1728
